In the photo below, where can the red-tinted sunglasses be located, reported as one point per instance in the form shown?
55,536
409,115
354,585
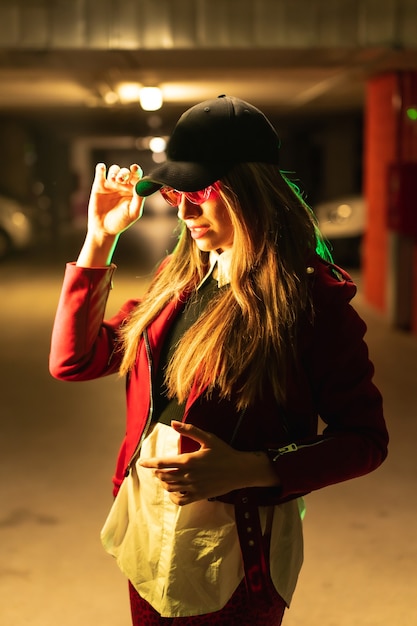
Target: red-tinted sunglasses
173,197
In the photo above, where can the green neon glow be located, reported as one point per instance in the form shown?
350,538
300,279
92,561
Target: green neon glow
323,248
412,113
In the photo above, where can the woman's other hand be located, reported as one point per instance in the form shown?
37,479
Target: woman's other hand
215,469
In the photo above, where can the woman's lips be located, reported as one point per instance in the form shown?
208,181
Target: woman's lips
198,231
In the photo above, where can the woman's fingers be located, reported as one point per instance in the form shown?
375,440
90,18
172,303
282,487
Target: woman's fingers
136,171
113,171
174,479
124,175
99,176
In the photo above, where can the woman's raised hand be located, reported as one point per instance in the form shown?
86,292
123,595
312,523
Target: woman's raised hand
114,204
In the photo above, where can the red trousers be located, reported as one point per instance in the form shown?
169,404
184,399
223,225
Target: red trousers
239,611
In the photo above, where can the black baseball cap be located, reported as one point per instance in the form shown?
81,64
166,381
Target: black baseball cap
208,140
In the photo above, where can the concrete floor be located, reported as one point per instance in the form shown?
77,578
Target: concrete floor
58,444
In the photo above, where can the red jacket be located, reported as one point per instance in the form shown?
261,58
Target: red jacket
334,380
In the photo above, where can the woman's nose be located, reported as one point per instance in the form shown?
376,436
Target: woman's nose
188,210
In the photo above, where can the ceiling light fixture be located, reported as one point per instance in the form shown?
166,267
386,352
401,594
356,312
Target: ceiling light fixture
157,144
110,97
150,98
128,92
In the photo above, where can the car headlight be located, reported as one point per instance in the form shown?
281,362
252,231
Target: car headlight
341,213
19,219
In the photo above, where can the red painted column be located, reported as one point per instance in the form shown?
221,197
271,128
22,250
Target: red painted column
390,139
378,153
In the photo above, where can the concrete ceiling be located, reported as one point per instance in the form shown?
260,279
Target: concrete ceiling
63,60
72,84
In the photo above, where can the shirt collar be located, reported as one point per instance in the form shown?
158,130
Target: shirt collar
223,262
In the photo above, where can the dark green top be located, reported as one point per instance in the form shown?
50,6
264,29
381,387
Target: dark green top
166,410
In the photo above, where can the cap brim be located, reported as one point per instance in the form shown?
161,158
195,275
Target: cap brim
182,176
146,187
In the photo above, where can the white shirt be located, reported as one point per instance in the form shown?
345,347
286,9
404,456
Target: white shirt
187,560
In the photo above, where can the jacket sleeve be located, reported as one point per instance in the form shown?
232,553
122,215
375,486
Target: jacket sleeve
84,345
355,439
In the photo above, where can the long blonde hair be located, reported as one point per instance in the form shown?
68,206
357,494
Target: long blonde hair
247,335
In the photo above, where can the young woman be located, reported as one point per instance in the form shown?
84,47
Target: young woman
245,336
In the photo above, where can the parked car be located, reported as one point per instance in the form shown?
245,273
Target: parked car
342,223
17,229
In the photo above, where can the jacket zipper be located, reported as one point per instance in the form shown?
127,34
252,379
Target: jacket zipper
293,447
151,404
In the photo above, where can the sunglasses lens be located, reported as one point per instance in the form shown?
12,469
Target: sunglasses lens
198,197
173,197
170,195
